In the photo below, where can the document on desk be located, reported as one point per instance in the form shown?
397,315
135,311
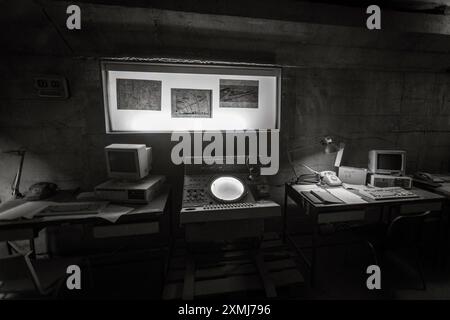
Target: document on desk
19,209
445,187
23,210
357,187
306,187
111,213
345,195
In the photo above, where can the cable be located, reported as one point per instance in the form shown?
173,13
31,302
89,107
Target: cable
292,166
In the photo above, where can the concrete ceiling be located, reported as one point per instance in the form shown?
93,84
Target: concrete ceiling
253,8
163,28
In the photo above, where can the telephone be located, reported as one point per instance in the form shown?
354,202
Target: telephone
327,177
427,177
330,178
41,190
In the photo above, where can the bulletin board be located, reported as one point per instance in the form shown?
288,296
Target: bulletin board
149,97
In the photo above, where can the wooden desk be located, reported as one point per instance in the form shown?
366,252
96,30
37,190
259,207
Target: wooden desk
444,190
144,219
329,213
441,188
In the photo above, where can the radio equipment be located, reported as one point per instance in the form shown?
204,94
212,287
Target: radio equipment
219,195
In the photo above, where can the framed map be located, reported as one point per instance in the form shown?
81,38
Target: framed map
146,97
191,103
135,94
238,93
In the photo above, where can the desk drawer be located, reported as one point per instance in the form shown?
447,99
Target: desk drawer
342,216
124,230
420,207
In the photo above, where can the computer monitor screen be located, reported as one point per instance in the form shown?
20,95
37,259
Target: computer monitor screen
128,161
390,161
387,162
122,161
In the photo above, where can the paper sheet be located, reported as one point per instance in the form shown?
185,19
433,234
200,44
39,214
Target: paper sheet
87,196
444,177
345,195
350,186
306,187
113,212
19,209
446,186
24,210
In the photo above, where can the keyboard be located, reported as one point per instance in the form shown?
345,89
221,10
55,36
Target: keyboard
230,211
387,193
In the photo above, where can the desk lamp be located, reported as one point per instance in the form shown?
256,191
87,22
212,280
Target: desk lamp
15,187
329,147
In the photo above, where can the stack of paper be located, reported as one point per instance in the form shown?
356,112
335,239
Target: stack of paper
345,195
18,209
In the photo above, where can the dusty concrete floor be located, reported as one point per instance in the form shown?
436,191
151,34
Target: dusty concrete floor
341,274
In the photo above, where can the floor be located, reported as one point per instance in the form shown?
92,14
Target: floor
341,274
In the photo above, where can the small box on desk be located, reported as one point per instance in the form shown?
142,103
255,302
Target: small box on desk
353,175
141,191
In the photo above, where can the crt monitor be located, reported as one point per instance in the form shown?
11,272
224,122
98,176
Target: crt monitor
128,161
387,162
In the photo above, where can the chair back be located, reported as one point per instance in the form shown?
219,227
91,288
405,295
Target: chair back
14,274
406,230
13,267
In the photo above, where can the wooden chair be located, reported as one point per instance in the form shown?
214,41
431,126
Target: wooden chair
405,233
21,275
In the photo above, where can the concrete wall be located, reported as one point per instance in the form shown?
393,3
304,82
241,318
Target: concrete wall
64,138
366,108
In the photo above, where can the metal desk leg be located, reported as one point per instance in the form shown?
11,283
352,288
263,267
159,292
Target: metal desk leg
447,231
189,278
171,240
33,249
285,214
314,247
8,247
445,222
269,286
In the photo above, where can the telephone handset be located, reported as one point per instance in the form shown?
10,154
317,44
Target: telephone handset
427,177
330,178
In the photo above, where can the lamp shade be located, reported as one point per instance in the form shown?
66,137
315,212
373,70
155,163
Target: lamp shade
331,148
329,145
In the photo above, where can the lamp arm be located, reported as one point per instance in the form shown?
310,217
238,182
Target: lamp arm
340,153
310,169
15,187
291,164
